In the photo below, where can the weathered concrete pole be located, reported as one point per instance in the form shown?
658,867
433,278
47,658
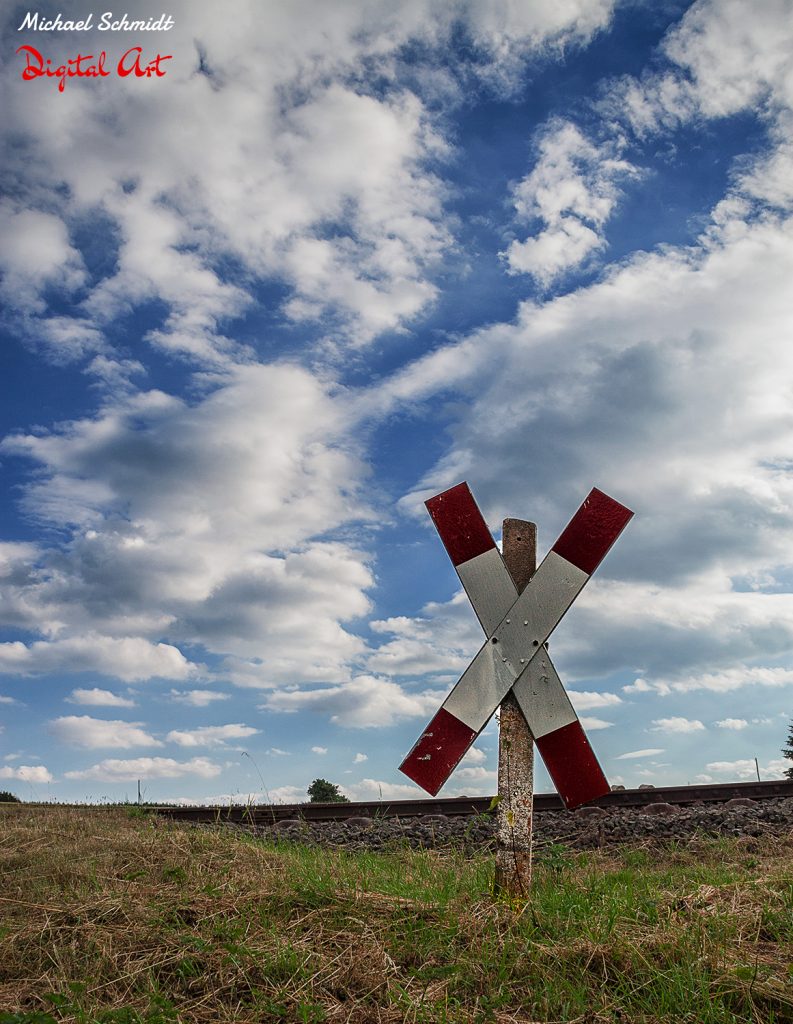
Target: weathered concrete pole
515,744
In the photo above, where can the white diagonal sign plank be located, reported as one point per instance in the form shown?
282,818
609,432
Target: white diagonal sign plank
539,691
572,763
515,656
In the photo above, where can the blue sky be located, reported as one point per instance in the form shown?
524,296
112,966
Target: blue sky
338,258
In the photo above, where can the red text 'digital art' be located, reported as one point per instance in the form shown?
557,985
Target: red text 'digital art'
515,656
131,63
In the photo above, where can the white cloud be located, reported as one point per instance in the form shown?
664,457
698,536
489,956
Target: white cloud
360,758
473,756
36,253
114,770
571,191
100,698
635,754
14,556
379,789
113,374
271,165
438,642
585,700
6,700
776,768
27,773
724,63
84,731
729,679
595,723
319,750
160,505
518,28
131,659
342,145
196,698
278,752
689,343
365,702
235,799
338,155
677,724
557,249
265,455
287,795
210,735
735,724
476,773
743,768
667,344
638,686
443,639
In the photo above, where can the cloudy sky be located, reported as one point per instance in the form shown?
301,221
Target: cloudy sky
339,256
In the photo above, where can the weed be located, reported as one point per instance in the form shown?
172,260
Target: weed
137,811
27,1018
174,874
128,920
554,857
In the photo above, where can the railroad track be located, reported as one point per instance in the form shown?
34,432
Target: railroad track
464,806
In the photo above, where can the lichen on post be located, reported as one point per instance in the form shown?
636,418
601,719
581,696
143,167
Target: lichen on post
515,744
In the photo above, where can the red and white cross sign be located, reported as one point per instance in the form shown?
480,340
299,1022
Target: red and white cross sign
514,655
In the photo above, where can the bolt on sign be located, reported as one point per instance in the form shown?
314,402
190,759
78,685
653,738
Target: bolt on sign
515,657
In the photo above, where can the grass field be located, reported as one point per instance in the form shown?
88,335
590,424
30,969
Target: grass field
109,917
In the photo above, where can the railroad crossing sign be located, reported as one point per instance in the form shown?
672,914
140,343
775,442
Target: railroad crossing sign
514,656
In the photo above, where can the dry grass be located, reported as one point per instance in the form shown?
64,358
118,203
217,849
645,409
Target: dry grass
121,920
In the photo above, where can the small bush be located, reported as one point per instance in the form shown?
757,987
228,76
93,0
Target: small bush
323,792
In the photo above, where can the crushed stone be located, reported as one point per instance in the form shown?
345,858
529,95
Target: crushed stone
580,830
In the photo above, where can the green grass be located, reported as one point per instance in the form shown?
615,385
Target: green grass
122,920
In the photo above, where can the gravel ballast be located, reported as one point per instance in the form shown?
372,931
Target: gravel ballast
587,828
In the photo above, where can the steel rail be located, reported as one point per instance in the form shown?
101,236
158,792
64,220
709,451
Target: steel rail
263,814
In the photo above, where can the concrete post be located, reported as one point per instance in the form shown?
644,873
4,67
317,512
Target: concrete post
515,744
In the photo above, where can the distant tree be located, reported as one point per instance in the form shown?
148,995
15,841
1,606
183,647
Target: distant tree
8,798
788,751
323,792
